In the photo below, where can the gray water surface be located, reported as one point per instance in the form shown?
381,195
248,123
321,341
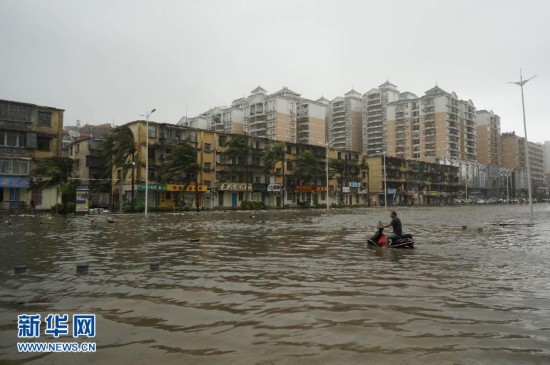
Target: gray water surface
292,287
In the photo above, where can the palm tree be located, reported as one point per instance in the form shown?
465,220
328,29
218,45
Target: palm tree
119,147
58,171
364,166
239,151
181,164
307,167
271,157
339,168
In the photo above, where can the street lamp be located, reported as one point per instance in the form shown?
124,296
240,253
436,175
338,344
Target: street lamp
506,172
521,83
385,182
327,144
147,115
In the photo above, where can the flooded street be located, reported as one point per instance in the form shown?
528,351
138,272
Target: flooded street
293,287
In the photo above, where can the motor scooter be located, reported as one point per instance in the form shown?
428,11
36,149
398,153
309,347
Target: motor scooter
379,239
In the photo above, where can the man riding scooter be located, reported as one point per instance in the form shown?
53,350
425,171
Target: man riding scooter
395,239
396,226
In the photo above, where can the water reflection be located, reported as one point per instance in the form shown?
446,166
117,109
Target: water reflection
287,287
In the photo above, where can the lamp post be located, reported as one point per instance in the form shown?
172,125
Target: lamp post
467,163
385,182
506,172
520,84
327,144
147,115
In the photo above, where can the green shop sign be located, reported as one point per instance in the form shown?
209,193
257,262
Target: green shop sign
158,187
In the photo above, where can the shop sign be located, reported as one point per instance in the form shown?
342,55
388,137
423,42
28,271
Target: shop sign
309,189
81,198
187,188
235,187
157,187
15,182
274,187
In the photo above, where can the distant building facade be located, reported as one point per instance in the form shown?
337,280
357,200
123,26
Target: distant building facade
283,116
375,102
28,133
345,122
513,157
546,157
489,143
437,124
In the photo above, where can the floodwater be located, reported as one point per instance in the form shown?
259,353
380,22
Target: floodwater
292,287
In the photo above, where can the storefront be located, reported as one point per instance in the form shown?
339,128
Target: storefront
171,195
14,192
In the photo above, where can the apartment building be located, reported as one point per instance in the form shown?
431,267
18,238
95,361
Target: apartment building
411,182
272,116
489,146
467,130
345,122
88,160
28,133
218,119
546,157
437,124
198,122
513,157
375,102
282,116
227,178
403,126
77,132
311,122
89,169
162,139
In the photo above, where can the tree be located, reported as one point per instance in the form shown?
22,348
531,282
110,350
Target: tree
339,168
181,164
238,152
307,167
364,166
57,172
119,147
271,157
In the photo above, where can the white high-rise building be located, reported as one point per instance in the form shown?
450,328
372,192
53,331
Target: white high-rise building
375,102
345,122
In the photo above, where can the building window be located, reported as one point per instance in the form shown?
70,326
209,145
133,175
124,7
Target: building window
207,167
45,119
20,167
12,139
208,183
152,131
43,143
207,147
5,166
14,194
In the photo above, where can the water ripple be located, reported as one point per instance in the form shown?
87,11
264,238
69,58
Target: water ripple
288,287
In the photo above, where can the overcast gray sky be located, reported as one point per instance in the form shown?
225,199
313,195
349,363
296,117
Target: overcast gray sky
105,61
